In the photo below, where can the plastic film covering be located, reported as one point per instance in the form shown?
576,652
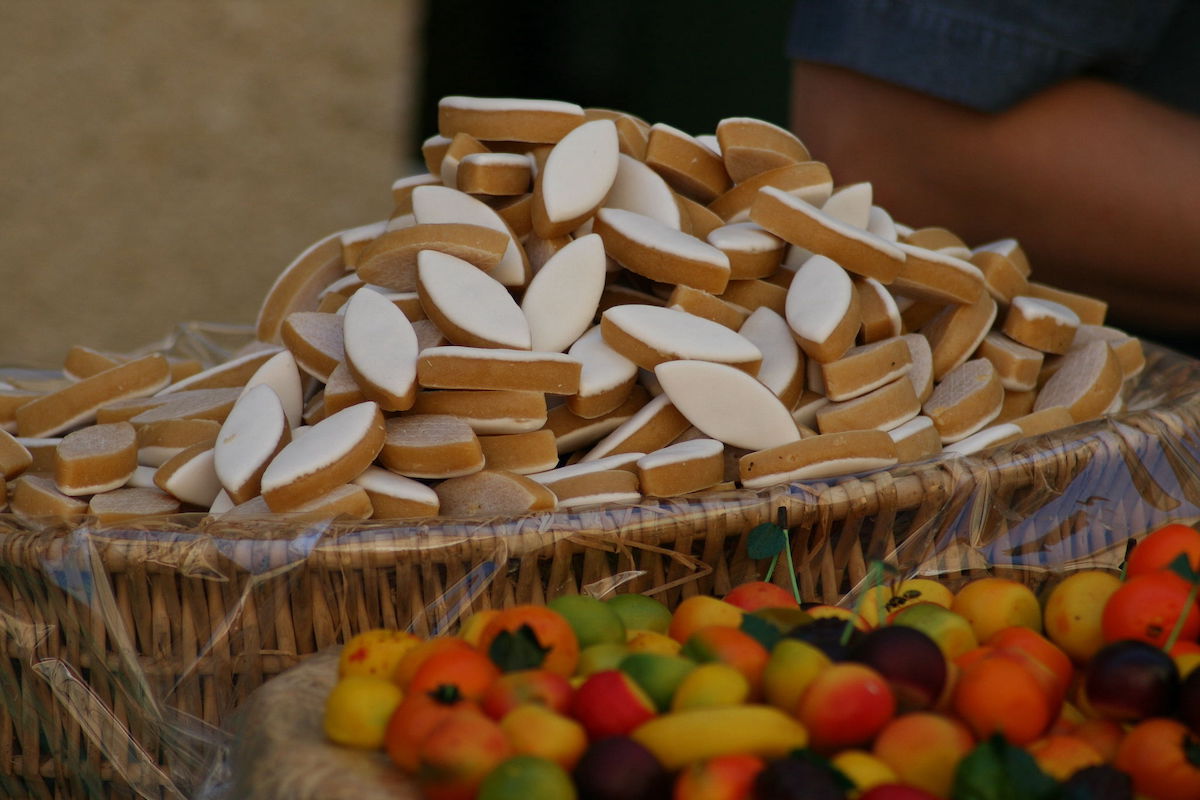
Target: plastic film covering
126,652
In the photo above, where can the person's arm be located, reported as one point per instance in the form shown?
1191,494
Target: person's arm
1100,186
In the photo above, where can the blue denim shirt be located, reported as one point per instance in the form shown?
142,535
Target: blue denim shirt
991,54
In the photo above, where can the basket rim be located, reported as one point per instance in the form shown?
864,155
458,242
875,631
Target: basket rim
1170,381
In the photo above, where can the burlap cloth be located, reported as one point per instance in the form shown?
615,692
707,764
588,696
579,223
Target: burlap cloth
280,751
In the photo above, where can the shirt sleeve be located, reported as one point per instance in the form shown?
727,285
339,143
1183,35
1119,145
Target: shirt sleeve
985,54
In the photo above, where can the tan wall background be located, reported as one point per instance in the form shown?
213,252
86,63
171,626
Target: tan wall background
162,162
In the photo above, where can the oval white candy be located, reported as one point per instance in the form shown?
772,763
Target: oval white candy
683,335
726,404
248,439
744,237
1037,308
580,170
651,233
381,346
281,374
782,359
880,223
603,367
386,482
818,297
324,444
851,205
434,204
472,300
195,482
562,298
639,189
681,451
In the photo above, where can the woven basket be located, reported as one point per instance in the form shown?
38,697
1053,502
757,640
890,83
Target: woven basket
126,649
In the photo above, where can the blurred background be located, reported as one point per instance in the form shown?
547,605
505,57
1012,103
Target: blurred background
162,162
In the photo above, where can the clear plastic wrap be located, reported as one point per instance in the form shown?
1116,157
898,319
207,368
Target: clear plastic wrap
127,650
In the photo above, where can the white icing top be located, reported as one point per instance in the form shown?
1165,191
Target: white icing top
380,342
727,404
434,204
603,367
652,233
600,498
323,444
1004,247
955,251
563,296
984,439
910,428
818,298
1016,349
420,179
681,334
471,299
350,279
248,436
221,503
805,412
745,237
794,257
754,121
639,189
194,482
363,233
849,231
496,353
879,222
281,374
710,141
509,104
770,333
1090,333
401,222
1037,308
886,300
681,452
851,205
231,364
921,354
382,481
619,461
35,441
496,160
142,477
580,170
943,258
627,428
822,469
663,127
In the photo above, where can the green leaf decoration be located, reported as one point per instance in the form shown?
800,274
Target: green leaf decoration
517,650
997,770
766,541
764,632
1183,568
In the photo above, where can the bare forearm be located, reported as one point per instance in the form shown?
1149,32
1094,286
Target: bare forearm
1101,186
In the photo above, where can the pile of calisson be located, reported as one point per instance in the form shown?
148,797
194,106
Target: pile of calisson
574,307
924,694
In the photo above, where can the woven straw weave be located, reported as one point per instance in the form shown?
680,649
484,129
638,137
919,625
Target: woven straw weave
125,650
